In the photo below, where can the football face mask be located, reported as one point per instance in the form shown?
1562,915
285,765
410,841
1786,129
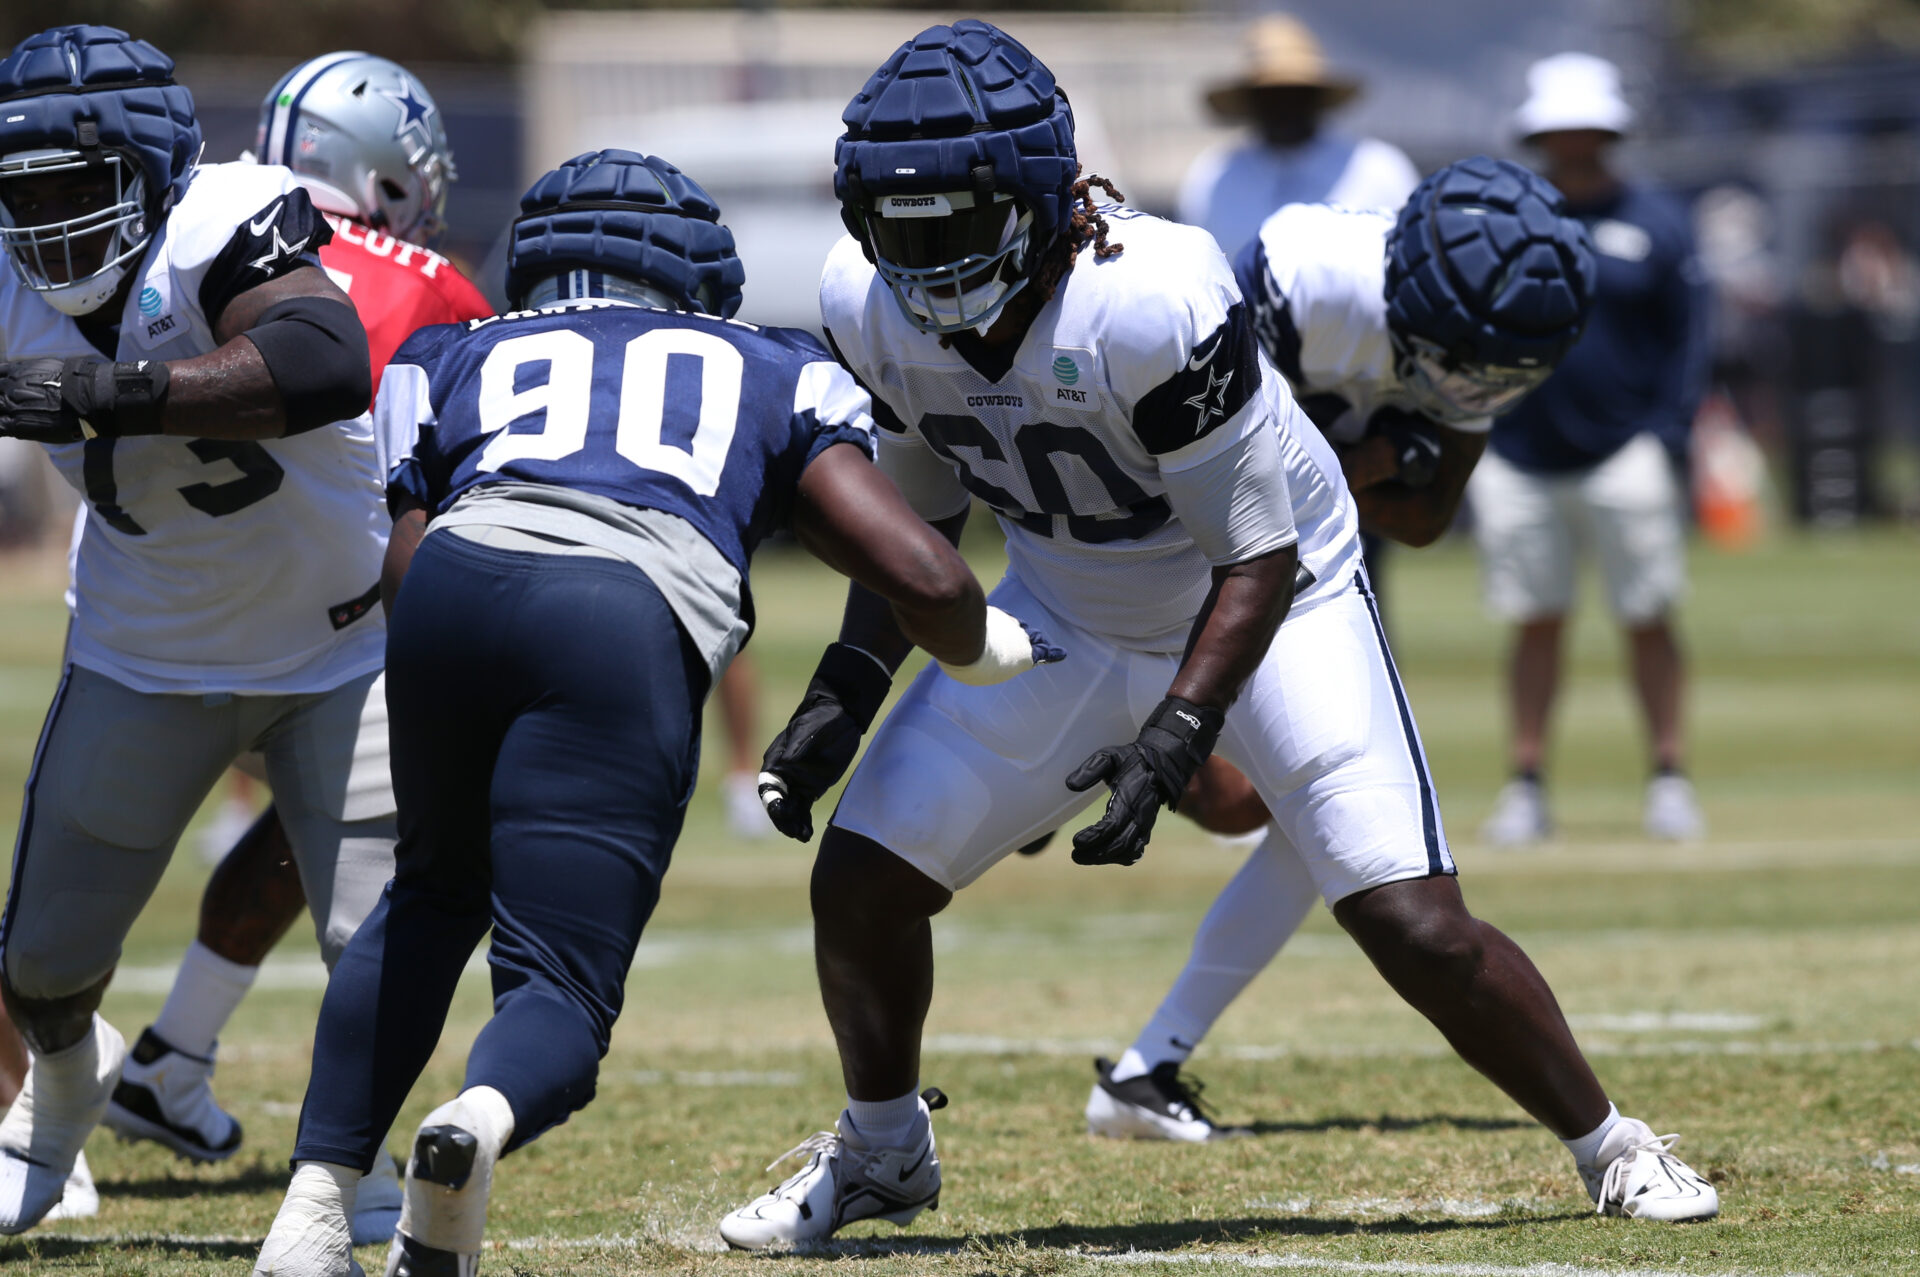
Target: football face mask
951,262
72,226
1450,390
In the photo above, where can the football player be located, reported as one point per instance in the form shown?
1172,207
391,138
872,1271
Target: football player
1401,339
202,384
366,142
597,466
1164,501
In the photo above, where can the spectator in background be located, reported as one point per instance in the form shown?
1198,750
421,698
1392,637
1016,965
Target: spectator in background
1592,455
1285,93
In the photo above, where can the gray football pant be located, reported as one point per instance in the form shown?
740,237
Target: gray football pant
118,774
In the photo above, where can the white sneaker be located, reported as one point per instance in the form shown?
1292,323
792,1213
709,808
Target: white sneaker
79,1199
1160,1105
310,1236
1672,812
746,814
843,1182
166,1095
1637,1176
1519,816
376,1208
58,1107
449,1178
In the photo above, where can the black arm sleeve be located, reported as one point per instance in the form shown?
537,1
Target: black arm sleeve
316,350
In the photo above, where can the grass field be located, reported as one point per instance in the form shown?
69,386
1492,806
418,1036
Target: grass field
1757,993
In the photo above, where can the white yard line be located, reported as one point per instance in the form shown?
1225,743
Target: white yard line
985,1044
1286,1261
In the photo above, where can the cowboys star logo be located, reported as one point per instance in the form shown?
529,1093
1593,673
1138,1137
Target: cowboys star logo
1211,401
416,113
279,250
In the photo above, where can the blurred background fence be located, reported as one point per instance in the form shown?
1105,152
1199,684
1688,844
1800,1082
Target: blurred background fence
1791,124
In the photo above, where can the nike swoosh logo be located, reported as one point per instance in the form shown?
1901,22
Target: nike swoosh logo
1184,1046
1198,361
908,1173
266,220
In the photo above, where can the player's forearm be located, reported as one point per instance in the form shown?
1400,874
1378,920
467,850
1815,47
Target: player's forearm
227,394
1411,516
889,630
409,526
1235,628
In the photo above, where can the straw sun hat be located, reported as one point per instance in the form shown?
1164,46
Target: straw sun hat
1281,53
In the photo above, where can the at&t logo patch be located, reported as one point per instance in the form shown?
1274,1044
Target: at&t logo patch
150,302
1065,370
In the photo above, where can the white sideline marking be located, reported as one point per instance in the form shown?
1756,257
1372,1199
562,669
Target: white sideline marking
1661,1021
1125,1259
711,1077
983,1044
1454,1207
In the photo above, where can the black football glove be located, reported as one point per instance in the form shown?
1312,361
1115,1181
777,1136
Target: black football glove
67,400
818,743
1416,446
1145,776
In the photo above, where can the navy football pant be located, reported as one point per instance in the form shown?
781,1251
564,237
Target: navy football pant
545,717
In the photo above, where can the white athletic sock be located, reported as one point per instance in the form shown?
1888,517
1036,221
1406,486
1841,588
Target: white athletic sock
205,992
455,1219
1255,914
1586,1148
886,1123
492,1114
327,1188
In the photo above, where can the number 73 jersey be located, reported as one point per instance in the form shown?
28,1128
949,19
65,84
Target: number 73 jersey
1131,441
209,565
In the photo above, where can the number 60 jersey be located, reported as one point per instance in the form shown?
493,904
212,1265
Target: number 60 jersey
671,440
206,565
1134,437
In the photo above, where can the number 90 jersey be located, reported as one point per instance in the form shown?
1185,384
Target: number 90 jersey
705,419
1132,440
208,565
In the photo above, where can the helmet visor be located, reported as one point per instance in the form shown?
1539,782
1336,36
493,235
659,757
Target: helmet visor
1454,390
929,232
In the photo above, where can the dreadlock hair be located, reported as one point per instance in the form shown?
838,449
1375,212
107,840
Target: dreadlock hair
1086,225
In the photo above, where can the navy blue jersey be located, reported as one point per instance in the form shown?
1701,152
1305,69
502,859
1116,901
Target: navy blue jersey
1642,363
707,419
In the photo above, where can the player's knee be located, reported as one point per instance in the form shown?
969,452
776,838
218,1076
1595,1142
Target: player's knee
48,1022
1418,933
858,882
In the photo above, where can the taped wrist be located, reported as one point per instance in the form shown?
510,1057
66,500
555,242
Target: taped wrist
1178,737
115,399
315,348
858,681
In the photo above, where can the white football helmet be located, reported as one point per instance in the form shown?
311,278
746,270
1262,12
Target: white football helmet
364,138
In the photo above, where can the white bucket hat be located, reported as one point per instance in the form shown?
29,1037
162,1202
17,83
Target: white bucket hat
1572,91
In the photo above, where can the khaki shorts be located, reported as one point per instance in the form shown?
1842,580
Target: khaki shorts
1531,527
118,774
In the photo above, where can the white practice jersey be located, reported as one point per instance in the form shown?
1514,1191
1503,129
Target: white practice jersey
1132,440
1316,278
205,565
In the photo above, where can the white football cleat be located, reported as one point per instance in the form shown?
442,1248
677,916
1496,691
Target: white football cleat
79,1199
376,1208
1673,812
1159,1105
1519,815
63,1098
843,1182
310,1236
449,1178
166,1095
1638,1177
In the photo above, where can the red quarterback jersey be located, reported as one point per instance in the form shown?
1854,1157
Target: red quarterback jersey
396,286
